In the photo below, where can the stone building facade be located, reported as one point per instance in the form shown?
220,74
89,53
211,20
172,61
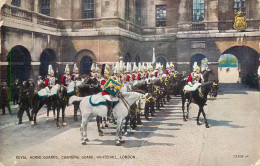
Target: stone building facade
35,33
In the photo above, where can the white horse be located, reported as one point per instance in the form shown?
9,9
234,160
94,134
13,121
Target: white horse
120,111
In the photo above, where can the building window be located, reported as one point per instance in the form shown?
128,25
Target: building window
127,9
198,10
16,3
160,15
88,8
45,7
138,13
239,5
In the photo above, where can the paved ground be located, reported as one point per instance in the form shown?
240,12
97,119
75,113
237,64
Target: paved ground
233,138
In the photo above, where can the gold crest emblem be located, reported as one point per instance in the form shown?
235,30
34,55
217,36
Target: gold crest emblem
240,21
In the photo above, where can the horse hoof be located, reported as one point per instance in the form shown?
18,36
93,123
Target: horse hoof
122,141
32,122
101,134
106,125
198,124
207,126
64,124
86,140
84,143
118,143
102,127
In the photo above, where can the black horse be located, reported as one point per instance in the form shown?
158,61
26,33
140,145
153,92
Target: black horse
38,102
206,74
61,104
199,98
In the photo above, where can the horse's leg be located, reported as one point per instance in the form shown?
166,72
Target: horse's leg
139,118
83,128
126,123
146,110
183,108
98,118
63,114
152,108
75,112
198,117
204,115
119,139
58,117
188,109
105,121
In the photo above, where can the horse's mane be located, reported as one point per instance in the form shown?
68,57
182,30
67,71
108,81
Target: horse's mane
207,84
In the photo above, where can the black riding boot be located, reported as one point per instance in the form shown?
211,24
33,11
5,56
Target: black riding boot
109,111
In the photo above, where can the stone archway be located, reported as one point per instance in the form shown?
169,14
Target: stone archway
228,71
196,58
47,58
84,60
85,65
248,60
162,60
127,58
19,64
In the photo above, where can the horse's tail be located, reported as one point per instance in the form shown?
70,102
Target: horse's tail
73,99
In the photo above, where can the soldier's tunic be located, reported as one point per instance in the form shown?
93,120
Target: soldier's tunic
105,93
139,76
74,77
50,82
133,77
127,78
66,79
167,72
147,75
195,78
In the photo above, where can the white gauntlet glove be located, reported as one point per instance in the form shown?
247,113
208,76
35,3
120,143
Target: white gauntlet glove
189,83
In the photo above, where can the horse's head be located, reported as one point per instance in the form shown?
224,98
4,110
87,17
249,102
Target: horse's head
131,97
62,92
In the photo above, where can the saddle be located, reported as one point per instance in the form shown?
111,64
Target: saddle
97,100
45,92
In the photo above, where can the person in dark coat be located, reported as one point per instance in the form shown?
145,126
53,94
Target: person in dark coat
24,103
15,91
4,98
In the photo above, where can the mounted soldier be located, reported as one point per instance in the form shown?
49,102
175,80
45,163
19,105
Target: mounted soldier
75,75
50,80
105,94
66,78
194,80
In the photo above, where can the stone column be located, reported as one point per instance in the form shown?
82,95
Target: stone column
36,6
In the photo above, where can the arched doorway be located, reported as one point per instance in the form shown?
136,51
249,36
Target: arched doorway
85,65
47,58
248,62
163,61
137,59
228,69
19,64
196,58
127,58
